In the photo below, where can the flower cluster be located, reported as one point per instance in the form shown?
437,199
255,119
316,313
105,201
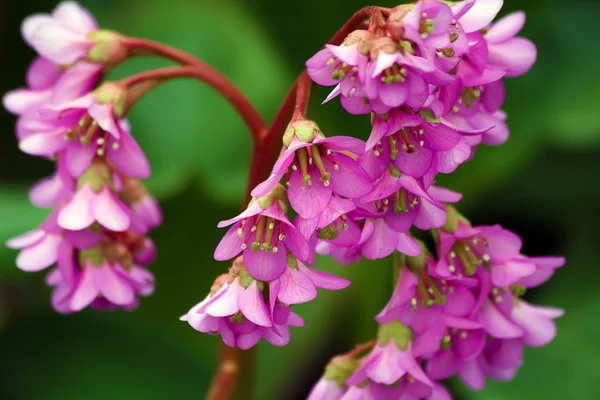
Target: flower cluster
102,212
429,74
461,314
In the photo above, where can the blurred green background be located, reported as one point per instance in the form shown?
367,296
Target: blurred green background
542,184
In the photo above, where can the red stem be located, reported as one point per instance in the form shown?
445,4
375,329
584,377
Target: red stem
139,46
217,81
360,348
304,85
263,155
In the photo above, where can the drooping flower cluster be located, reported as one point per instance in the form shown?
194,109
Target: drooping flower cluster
102,212
460,315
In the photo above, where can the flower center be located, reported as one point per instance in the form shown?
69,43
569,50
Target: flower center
427,290
394,74
468,96
426,26
269,232
340,69
86,131
468,254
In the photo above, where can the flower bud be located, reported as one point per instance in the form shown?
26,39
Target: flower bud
109,48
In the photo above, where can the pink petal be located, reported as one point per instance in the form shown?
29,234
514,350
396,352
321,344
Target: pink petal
76,81
252,305
76,215
395,94
58,44
21,100
296,287
40,255
265,265
537,322
459,302
517,55
49,192
75,17
43,144
86,290
408,245
382,242
480,15
42,74
309,200
26,239
349,180
503,244
442,365
415,164
469,346
448,161
506,28
129,157
496,324
231,244
510,272
114,288
227,303
324,280
109,211
472,374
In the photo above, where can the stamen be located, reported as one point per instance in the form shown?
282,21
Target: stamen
319,162
394,152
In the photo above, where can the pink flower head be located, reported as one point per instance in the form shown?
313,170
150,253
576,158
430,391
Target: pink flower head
83,128
476,112
402,201
317,168
467,248
392,360
396,77
62,37
95,201
427,24
264,235
100,273
340,64
379,240
413,144
236,310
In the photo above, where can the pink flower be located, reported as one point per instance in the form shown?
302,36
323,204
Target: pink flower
402,201
62,37
263,234
98,273
95,204
468,247
83,128
391,360
298,284
317,169
427,24
400,78
237,312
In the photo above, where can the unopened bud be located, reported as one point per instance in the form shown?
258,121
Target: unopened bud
305,130
109,48
112,92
